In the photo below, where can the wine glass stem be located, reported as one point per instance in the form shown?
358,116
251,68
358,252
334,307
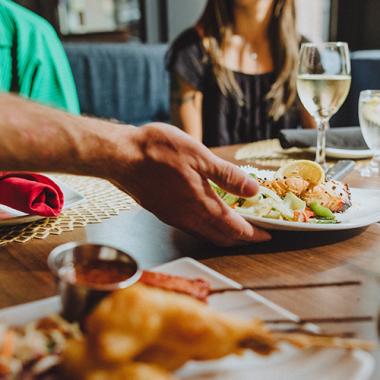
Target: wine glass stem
320,158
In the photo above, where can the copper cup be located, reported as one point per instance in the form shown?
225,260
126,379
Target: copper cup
78,299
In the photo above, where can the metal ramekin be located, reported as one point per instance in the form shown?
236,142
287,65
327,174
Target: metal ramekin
78,299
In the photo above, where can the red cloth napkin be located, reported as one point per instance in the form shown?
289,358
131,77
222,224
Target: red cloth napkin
31,193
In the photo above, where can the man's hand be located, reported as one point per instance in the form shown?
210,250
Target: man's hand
167,173
163,168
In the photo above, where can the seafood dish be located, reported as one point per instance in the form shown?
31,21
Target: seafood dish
34,351
146,331
297,192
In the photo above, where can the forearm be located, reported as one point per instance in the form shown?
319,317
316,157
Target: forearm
159,165
39,138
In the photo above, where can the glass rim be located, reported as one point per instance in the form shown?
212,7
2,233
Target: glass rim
328,43
370,92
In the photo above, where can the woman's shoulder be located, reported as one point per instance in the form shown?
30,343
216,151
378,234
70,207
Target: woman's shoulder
186,58
187,45
188,38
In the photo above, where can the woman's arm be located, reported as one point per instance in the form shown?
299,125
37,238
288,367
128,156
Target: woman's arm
186,107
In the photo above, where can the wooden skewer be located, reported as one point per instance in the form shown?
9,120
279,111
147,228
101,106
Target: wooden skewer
302,340
321,320
300,329
287,287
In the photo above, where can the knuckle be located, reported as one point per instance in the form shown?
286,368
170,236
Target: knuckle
228,173
243,184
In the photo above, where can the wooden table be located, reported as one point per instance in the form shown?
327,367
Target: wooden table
291,258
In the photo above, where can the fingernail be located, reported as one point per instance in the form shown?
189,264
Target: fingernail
251,187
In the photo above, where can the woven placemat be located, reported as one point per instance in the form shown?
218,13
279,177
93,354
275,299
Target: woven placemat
270,153
102,201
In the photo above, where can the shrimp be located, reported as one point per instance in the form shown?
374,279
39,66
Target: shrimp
331,194
281,186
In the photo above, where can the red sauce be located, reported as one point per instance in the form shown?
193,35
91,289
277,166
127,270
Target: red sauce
102,272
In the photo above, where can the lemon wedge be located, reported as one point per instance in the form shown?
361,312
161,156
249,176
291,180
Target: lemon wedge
308,170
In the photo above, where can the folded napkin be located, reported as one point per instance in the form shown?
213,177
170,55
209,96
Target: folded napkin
341,138
31,193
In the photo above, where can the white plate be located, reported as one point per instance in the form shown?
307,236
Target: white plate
10,216
365,210
349,154
287,364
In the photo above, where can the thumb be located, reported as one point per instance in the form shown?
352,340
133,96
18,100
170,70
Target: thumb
231,178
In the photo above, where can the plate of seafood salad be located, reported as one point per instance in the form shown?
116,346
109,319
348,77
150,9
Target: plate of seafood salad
298,196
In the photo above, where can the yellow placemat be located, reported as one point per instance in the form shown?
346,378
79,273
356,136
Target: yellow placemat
102,201
270,153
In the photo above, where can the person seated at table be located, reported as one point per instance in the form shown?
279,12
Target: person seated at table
164,169
32,60
233,75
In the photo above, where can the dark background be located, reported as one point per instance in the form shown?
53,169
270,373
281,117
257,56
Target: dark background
45,8
357,22
354,21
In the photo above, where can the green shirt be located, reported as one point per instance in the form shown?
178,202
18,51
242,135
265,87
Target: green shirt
32,60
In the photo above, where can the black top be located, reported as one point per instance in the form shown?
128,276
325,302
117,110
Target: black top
224,120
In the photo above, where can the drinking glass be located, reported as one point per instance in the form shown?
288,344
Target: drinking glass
323,82
369,117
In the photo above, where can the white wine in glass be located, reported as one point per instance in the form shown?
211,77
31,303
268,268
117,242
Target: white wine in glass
322,95
323,83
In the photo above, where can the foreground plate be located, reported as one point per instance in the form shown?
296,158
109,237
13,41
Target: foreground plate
10,216
288,364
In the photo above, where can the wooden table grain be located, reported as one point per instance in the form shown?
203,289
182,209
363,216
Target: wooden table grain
291,258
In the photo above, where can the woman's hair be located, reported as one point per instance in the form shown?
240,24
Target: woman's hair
216,26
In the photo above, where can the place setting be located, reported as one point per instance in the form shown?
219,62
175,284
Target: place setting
35,205
27,197
331,88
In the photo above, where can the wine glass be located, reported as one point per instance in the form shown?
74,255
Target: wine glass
369,117
323,83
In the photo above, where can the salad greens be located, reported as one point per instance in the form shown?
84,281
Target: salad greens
321,211
268,204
